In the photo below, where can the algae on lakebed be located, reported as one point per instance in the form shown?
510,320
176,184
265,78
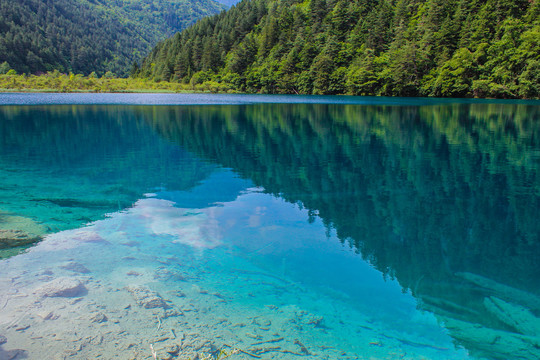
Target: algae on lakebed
18,232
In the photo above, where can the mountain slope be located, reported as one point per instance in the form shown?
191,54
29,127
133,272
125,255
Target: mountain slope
90,35
460,48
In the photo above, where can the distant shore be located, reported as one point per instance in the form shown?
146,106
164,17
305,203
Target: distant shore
70,83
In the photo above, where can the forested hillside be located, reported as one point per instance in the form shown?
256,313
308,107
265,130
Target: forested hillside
458,48
83,36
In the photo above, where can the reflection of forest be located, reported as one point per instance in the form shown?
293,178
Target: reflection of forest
64,166
444,198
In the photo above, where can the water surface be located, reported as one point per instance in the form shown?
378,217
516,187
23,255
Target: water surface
285,227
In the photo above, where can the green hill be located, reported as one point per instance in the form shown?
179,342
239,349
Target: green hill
83,36
454,48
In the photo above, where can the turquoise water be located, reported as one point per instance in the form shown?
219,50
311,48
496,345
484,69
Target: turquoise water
282,227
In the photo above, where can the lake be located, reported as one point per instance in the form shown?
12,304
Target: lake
151,226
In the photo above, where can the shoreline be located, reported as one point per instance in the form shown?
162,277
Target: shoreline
74,84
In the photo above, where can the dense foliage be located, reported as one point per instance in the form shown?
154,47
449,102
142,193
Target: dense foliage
459,48
83,36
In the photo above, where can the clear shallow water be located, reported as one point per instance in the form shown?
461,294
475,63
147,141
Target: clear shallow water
383,229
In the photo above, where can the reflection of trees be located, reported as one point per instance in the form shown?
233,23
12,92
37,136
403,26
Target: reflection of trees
422,192
65,166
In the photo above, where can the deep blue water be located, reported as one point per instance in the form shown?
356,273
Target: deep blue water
282,226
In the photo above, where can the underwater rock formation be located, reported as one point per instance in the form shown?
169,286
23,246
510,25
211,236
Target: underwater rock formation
62,287
18,232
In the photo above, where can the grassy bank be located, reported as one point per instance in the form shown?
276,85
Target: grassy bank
57,82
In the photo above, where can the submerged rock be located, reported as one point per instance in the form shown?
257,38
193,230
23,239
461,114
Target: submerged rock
89,237
3,340
172,349
62,287
13,354
18,231
171,313
16,238
99,318
169,351
147,298
48,315
316,321
75,267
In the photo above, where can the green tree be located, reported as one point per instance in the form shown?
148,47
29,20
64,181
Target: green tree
454,78
4,67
